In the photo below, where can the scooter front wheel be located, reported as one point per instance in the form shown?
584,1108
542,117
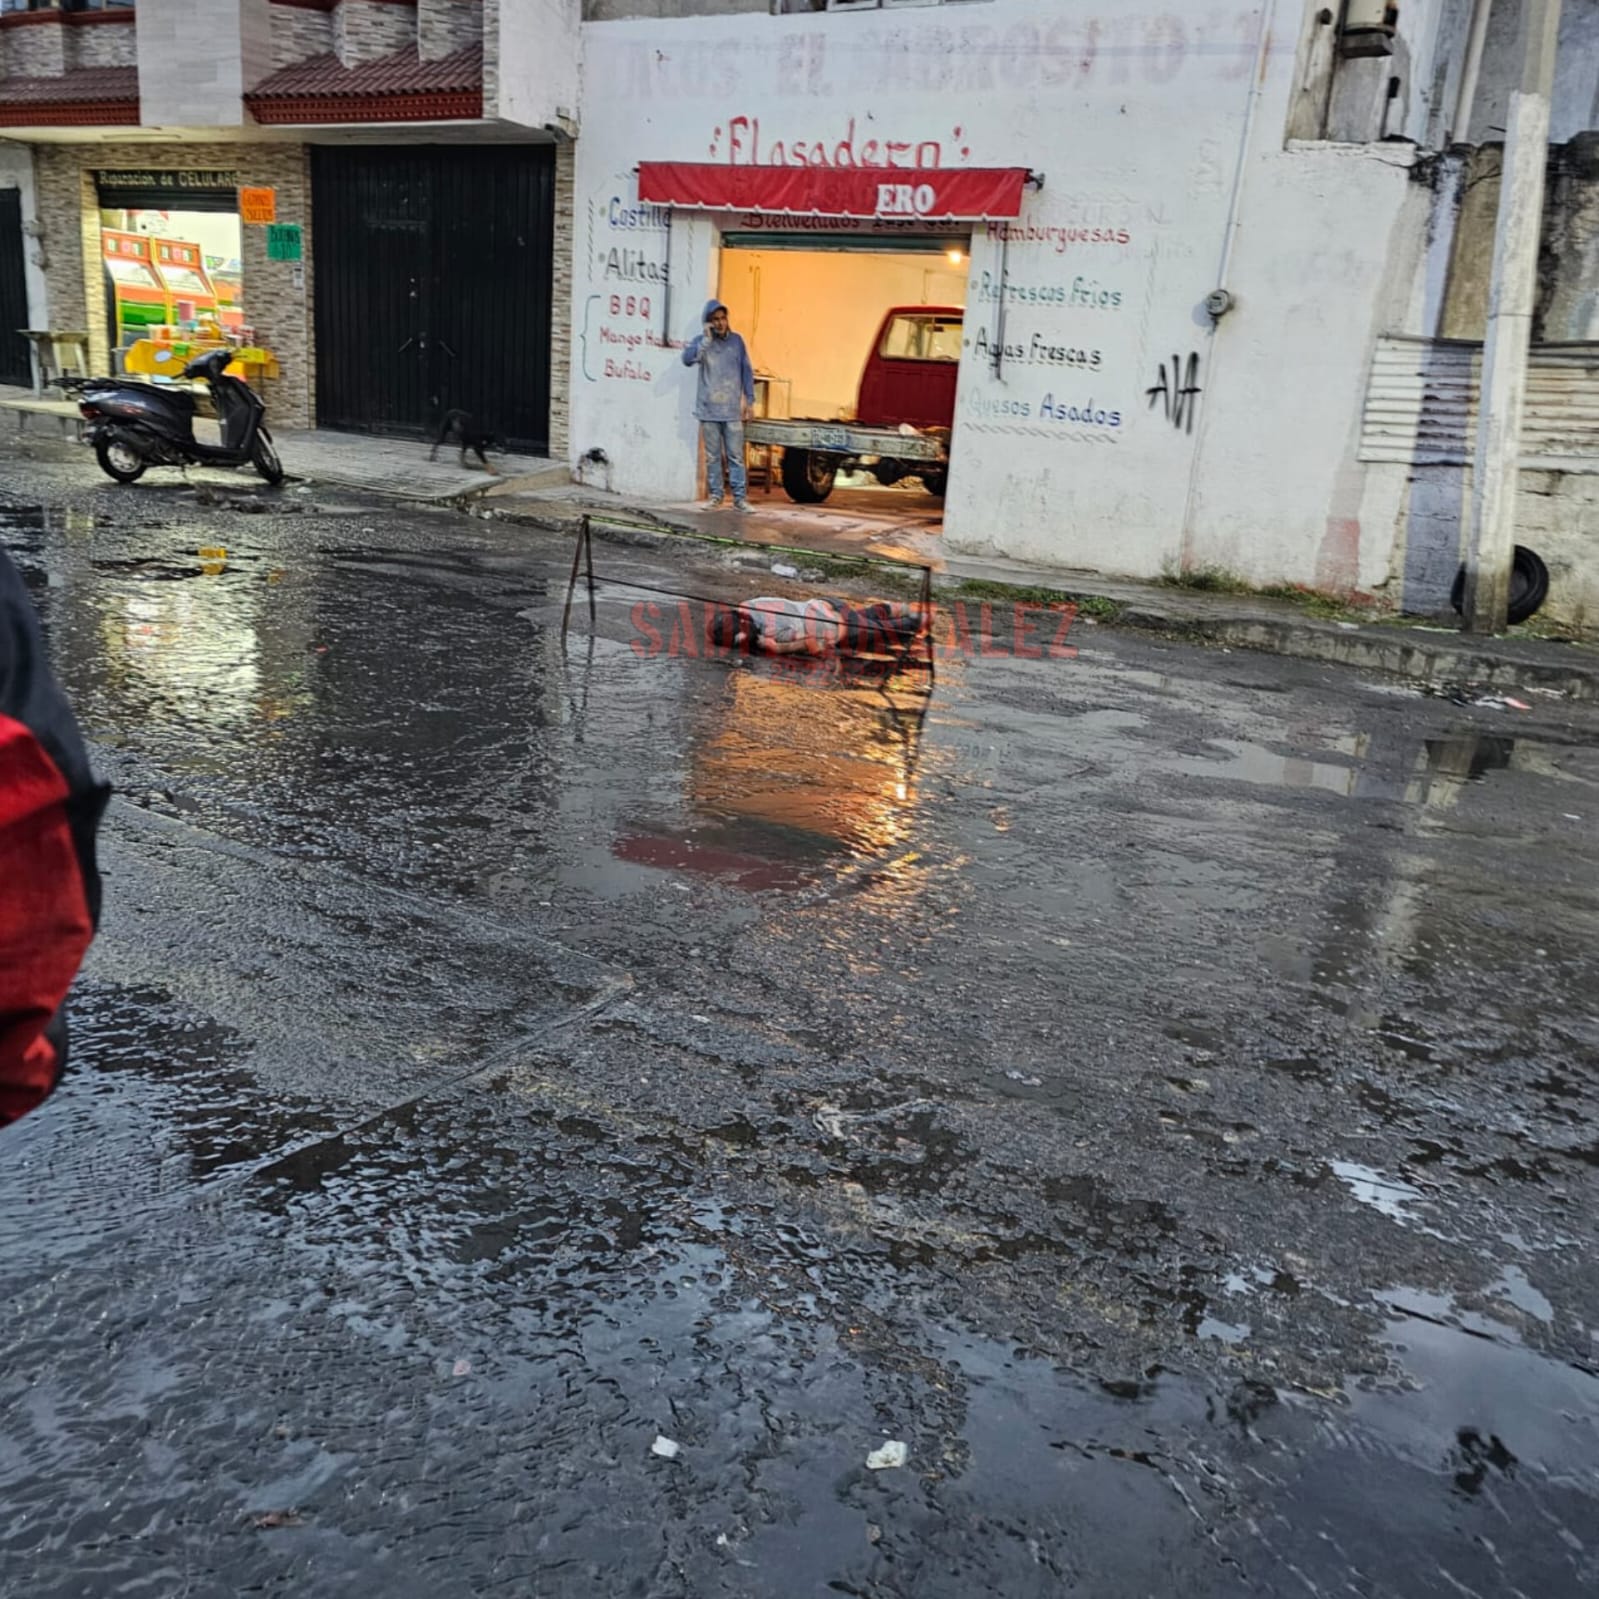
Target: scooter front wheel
119,460
264,457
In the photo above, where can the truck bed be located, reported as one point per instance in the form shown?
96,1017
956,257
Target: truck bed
845,438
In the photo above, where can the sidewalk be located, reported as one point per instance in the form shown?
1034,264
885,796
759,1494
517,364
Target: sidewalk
360,462
907,528
400,468
1427,653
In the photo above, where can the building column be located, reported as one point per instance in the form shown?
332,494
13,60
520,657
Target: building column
563,241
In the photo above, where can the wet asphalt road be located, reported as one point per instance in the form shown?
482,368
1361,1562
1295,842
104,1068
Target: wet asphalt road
1156,1087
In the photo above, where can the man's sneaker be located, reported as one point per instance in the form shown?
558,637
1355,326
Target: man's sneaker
741,505
714,503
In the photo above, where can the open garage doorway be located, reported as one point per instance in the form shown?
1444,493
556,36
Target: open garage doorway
861,334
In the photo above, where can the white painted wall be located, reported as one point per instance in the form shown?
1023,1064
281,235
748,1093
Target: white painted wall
534,49
16,172
197,58
1138,119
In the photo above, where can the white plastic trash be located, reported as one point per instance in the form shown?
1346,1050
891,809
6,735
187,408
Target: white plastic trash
892,1454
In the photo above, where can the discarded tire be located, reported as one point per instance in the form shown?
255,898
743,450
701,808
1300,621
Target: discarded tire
1529,586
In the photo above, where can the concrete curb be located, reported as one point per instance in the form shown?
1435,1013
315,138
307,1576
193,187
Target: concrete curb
1414,654
1410,653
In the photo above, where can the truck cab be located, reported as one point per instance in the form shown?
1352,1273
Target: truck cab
904,412
911,369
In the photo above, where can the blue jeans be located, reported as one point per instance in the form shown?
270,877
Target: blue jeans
718,436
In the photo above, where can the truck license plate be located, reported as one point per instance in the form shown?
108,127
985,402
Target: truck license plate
831,438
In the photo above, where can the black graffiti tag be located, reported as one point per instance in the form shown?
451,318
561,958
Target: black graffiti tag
1180,393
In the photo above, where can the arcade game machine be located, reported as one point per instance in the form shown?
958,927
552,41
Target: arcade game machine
137,299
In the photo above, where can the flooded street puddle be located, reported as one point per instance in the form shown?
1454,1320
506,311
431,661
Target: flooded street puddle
497,1059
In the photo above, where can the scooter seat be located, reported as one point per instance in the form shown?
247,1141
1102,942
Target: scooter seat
180,400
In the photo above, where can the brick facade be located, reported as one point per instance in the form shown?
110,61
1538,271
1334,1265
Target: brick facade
300,35
114,46
365,30
36,51
445,26
278,310
564,242
491,58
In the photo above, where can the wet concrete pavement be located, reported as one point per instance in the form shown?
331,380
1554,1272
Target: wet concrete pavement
1157,1087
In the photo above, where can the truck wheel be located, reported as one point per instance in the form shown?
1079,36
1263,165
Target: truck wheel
119,460
808,476
935,483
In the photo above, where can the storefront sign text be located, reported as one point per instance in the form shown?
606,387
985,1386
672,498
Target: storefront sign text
285,242
259,207
199,178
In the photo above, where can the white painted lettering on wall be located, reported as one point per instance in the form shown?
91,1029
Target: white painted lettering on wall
903,200
627,246
1058,55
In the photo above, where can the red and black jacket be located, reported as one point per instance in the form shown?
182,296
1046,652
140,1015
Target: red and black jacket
50,808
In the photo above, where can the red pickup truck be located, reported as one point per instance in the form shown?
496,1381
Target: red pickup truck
904,411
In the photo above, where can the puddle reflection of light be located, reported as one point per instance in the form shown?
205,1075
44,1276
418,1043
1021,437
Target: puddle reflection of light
834,764
1372,1188
798,782
1250,763
176,639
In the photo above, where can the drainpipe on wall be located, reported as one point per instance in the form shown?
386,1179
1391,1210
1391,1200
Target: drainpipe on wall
1511,300
1220,299
1471,72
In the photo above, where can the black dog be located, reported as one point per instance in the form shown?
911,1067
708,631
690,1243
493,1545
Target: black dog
470,436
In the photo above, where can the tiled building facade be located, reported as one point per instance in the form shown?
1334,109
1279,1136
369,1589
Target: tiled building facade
279,297
305,73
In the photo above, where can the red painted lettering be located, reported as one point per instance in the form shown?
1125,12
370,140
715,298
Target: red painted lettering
685,639
961,643
743,140
1023,647
1059,649
645,614
986,645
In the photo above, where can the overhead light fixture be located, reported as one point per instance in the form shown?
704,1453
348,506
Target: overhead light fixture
955,257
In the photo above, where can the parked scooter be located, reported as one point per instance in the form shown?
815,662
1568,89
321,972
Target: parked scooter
134,425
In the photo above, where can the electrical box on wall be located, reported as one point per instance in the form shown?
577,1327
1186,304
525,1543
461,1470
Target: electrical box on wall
1368,28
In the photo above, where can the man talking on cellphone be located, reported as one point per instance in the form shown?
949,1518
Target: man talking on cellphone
725,396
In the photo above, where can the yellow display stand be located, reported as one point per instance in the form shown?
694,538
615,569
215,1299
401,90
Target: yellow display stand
163,358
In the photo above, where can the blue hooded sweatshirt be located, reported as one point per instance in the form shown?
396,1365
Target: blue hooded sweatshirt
725,372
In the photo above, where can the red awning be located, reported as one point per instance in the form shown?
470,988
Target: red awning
928,194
